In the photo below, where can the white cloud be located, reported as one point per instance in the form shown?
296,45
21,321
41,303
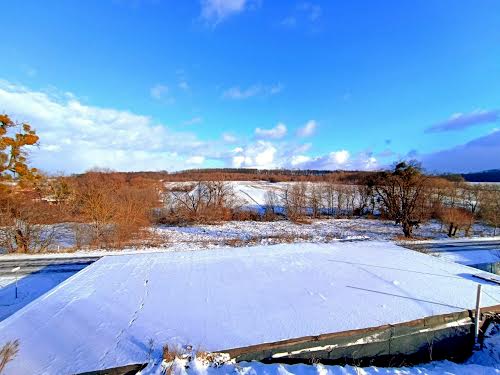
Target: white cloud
238,93
215,11
198,160
75,137
229,138
158,91
279,131
340,159
299,159
257,155
308,129
267,155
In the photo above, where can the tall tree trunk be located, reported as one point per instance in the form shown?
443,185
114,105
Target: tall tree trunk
450,230
21,242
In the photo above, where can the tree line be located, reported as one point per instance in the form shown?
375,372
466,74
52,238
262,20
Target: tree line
104,208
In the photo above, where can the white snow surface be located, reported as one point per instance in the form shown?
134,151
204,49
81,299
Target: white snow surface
119,309
30,287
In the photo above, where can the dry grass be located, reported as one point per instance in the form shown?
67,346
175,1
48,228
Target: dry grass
8,353
409,239
212,359
170,354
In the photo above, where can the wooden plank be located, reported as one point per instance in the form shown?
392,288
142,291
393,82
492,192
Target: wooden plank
261,351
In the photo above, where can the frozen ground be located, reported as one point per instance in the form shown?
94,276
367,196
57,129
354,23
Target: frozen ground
241,233
238,233
117,309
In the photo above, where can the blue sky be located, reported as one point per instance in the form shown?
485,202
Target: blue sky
152,85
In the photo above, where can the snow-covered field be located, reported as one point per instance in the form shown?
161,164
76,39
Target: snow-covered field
241,233
117,309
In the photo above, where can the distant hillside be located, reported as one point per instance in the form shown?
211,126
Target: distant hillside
492,175
271,175
247,174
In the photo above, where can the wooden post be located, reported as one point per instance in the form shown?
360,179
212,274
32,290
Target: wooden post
16,271
478,313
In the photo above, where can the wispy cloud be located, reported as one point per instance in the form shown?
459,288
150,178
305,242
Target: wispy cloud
215,11
238,93
197,160
158,91
312,11
305,13
460,121
194,120
341,159
184,86
29,70
308,129
229,138
182,81
279,131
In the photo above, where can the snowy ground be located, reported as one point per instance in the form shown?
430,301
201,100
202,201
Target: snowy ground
117,309
483,362
246,233
326,230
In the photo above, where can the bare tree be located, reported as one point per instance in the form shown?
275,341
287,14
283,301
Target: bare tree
294,199
490,206
363,198
206,201
471,196
271,203
315,200
330,196
401,192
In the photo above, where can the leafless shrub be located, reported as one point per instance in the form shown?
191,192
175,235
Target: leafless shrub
490,206
114,211
207,201
457,219
23,222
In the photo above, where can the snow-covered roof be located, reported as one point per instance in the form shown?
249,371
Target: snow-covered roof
116,309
